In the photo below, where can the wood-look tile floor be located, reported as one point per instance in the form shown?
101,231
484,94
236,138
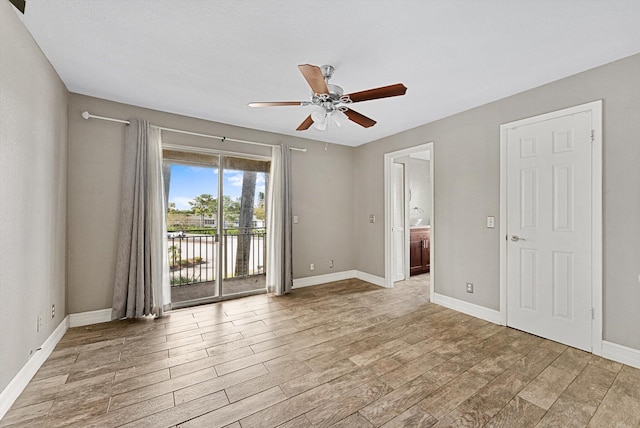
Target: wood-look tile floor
344,354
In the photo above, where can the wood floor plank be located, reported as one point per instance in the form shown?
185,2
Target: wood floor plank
398,401
361,375
412,370
317,377
445,399
238,410
518,413
209,361
250,360
342,354
257,384
354,421
195,390
413,417
98,383
137,382
160,388
182,412
288,409
496,394
24,414
166,363
127,414
343,405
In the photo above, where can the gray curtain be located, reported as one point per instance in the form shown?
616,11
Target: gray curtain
279,219
138,280
287,229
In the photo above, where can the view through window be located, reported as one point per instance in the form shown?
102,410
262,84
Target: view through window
216,246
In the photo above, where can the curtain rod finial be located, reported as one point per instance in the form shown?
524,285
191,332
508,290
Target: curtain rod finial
86,115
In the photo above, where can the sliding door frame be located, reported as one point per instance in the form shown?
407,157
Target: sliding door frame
220,223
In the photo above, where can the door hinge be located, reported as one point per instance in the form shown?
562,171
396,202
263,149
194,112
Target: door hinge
592,312
592,135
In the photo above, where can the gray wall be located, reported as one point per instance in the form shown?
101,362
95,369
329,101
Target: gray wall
33,181
322,194
466,175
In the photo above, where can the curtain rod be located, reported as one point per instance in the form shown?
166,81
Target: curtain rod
87,115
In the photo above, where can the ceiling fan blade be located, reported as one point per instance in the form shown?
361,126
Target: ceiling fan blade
277,103
360,119
305,124
19,4
314,77
382,92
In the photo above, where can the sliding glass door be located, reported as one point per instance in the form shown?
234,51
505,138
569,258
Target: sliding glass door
244,232
216,245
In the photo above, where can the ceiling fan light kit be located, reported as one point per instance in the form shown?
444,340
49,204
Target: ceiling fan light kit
332,100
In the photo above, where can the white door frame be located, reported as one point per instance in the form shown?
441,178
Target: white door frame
388,206
595,108
403,221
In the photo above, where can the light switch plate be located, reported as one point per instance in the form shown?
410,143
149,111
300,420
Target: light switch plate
295,219
491,222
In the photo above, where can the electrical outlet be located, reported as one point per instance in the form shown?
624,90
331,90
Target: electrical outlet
372,218
469,287
295,219
312,266
53,311
331,263
39,325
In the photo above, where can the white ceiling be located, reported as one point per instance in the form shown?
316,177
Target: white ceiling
208,59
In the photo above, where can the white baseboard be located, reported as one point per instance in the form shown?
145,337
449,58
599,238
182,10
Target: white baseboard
338,276
90,317
481,312
323,279
376,280
13,390
621,354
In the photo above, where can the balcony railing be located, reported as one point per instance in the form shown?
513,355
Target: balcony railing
193,257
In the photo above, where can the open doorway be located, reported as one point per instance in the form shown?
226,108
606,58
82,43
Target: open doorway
409,215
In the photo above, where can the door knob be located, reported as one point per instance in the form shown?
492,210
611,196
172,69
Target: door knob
516,238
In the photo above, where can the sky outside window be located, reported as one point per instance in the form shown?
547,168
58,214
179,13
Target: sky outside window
188,181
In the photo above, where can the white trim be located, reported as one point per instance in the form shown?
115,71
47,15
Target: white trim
388,226
596,228
20,381
89,317
621,354
595,108
323,279
433,230
375,280
503,225
338,276
472,309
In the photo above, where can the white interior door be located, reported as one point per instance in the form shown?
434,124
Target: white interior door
549,271
398,222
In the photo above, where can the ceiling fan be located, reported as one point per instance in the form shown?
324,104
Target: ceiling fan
332,100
